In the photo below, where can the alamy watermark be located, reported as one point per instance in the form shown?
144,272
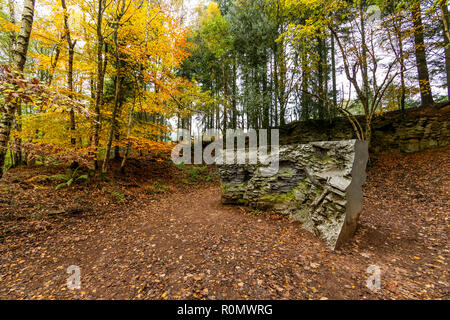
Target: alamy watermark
374,281
373,13
242,147
74,280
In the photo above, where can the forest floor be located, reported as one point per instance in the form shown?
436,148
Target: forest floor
161,233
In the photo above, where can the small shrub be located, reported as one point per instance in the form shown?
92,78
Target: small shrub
181,166
119,196
255,212
157,188
195,173
68,178
211,177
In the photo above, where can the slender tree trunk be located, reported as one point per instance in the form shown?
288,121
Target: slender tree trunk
12,35
333,71
282,85
402,77
130,122
364,67
306,99
421,58
217,93
276,85
100,81
446,22
53,64
18,141
234,93
443,5
116,93
92,85
402,72
398,31
113,125
266,110
19,59
70,47
117,138
321,79
225,92
17,125
16,155
20,52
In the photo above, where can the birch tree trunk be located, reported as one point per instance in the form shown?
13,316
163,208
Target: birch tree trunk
16,125
12,35
19,58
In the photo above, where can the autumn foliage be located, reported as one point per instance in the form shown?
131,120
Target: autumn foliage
142,46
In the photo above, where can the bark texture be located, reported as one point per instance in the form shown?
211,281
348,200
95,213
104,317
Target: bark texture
421,57
19,59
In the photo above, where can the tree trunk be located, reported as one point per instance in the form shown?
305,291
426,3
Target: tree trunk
12,35
364,67
446,22
421,58
321,79
17,125
53,64
333,71
266,110
20,52
275,83
305,98
233,100
130,122
19,59
225,93
100,81
282,70
17,141
398,31
402,76
70,47
116,93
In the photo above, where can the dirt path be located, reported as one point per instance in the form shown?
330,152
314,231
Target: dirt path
185,244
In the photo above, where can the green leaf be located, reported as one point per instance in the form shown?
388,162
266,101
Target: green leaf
59,177
59,186
84,176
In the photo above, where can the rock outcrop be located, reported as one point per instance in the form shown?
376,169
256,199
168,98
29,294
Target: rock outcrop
318,184
418,129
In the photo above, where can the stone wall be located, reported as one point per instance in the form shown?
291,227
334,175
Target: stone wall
318,184
418,129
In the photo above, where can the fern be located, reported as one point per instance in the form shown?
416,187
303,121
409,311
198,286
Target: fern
70,177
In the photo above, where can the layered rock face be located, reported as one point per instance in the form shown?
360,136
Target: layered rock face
318,184
418,129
